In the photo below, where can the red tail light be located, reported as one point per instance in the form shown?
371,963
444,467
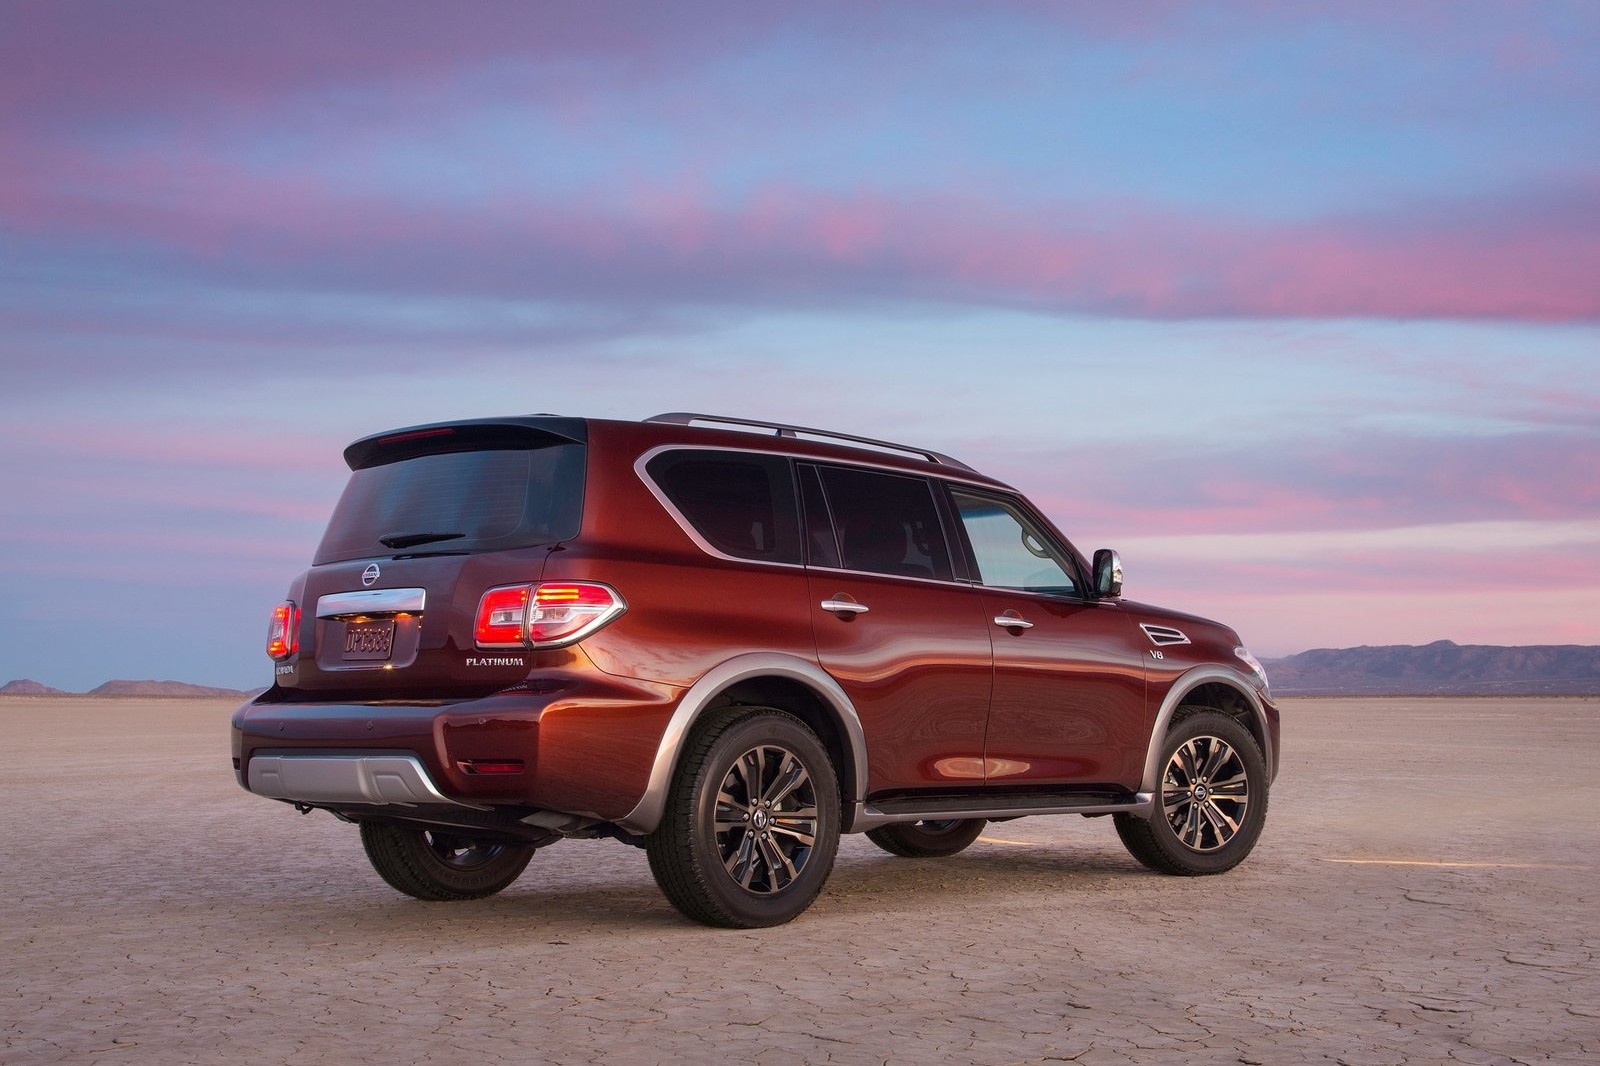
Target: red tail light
548,615
501,614
283,633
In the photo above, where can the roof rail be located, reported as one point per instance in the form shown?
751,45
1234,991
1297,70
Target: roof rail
686,418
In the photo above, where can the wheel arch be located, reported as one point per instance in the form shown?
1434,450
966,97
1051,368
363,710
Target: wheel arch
791,684
1218,688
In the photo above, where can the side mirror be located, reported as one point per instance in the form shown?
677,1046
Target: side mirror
1107,574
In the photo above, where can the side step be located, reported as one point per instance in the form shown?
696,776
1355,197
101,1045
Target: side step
929,808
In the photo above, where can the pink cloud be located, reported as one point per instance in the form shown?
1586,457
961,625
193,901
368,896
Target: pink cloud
1377,481
1529,254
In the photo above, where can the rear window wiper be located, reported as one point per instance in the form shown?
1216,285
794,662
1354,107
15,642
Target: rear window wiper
408,540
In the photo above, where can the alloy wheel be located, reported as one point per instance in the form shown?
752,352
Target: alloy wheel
1205,792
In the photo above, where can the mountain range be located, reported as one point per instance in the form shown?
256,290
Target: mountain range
147,689
1443,668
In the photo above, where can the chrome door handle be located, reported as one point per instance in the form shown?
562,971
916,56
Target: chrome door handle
1012,621
844,607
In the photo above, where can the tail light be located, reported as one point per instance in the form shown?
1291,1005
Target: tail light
283,633
551,614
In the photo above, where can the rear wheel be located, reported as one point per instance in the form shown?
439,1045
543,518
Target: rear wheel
438,866
1213,800
925,839
751,824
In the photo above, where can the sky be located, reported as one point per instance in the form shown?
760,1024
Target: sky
1297,306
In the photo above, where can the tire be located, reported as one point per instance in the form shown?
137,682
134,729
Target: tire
1213,800
927,839
438,866
751,824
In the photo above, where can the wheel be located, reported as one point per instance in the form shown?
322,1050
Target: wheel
922,839
434,865
751,824
1213,799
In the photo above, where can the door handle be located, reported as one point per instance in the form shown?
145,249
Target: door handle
1012,620
844,607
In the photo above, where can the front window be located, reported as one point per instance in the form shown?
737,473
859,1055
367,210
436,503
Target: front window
1010,549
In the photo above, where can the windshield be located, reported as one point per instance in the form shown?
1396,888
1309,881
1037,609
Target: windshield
461,501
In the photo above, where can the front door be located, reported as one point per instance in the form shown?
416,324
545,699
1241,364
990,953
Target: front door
1068,704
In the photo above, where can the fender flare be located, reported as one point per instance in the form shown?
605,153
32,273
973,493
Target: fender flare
1187,683
647,813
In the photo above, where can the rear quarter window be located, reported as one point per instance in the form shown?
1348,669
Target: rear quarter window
739,503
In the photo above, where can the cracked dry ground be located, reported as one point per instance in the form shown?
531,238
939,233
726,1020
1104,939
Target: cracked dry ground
1424,893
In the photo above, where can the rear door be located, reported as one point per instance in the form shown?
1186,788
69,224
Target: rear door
1069,704
893,625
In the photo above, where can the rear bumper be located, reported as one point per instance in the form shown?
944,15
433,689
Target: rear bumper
579,745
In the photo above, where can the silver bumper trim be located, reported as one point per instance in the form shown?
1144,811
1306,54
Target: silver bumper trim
380,780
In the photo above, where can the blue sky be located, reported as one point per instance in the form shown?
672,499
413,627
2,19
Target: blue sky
1296,305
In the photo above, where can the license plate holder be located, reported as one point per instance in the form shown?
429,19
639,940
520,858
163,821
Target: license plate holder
366,642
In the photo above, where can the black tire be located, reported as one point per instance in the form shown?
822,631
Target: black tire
917,840
751,824
1213,800
438,866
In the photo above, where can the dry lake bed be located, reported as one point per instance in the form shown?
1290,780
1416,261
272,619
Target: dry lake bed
1425,892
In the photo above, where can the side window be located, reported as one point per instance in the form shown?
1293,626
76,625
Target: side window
741,504
1010,550
885,523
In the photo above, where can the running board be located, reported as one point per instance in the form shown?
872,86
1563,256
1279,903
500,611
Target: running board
1024,805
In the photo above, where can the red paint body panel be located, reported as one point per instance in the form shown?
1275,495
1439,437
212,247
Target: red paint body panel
917,666
1069,701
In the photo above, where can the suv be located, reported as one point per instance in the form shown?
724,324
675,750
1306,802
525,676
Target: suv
728,641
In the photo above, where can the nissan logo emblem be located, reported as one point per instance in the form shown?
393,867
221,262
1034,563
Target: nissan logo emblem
370,574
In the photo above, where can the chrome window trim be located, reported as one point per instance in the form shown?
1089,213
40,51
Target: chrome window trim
952,475
1181,688
647,813
700,542
371,601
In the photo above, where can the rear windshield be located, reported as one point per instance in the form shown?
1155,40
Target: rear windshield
461,501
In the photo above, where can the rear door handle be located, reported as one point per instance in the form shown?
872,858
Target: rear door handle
844,607
1012,620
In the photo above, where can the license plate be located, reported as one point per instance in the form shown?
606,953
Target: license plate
368,641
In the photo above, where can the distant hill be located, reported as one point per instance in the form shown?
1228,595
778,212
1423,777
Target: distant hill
147,689
24,687
1443,668
160,689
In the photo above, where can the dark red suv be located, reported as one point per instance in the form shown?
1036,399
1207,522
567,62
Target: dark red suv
727,642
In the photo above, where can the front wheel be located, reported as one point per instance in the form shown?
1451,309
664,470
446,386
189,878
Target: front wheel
438,866
926,839
751,824
1213,800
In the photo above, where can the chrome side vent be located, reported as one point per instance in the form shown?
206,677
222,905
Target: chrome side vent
1164,636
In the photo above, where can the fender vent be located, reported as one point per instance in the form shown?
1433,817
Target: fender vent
1163,636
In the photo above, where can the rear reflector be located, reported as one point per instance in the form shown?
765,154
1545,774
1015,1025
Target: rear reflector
283,633
490,766
548,615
